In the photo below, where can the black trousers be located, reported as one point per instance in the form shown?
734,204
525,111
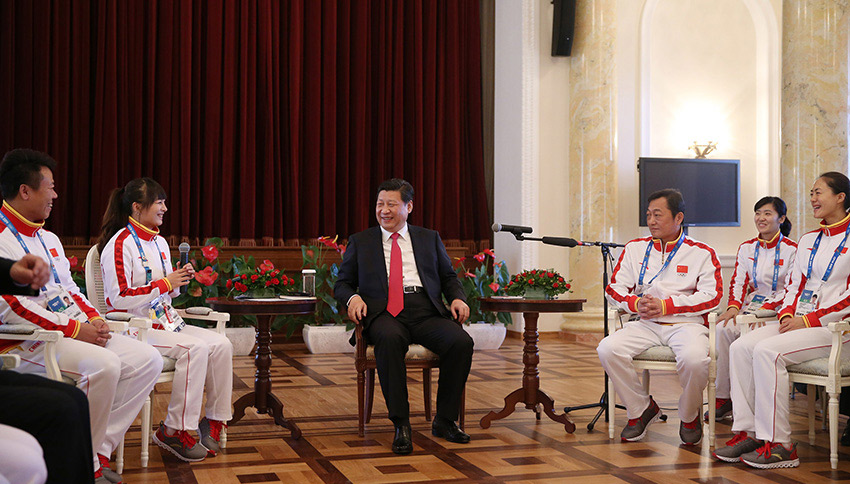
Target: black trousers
57,415
420,323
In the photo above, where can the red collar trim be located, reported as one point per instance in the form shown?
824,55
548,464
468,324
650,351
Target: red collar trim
24,226
143,232
769,244
836,228
656,243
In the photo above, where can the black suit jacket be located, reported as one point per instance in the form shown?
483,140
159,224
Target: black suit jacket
364,271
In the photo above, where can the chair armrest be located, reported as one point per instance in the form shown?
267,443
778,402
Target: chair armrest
360,344
37,334
839,326
10,361
206,314
833,381
117,326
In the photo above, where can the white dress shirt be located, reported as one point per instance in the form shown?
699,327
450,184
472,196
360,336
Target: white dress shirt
410,275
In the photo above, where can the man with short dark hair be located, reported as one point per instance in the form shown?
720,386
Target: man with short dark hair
668,282
392,280
116,372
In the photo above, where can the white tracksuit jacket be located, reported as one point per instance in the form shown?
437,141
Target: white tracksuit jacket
742,290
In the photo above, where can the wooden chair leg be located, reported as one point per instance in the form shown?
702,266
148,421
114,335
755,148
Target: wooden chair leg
612,406
146,430
119,457
833,428
426,390
811,396
361,411
370,393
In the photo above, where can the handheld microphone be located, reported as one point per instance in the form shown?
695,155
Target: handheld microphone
184,259
561,241
514,229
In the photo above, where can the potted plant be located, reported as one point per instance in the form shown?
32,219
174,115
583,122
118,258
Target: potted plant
487,329
327,331
538,284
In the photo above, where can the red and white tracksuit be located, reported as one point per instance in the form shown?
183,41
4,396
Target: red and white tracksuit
203,357
116,378
742,290
690,287
758,360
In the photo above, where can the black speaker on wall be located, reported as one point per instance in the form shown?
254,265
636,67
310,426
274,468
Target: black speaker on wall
563,27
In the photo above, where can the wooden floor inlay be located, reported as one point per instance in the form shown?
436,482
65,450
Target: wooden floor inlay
319,393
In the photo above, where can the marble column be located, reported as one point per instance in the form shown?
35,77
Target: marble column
592,168
815,55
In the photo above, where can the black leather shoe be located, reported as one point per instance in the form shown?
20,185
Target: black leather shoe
845,436
449,430
402,443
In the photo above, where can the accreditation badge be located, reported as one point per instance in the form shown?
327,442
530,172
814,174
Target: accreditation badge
807,303
60,301
165,315
755,304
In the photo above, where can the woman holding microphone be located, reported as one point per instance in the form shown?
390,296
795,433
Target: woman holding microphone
816,295
762,268
138,278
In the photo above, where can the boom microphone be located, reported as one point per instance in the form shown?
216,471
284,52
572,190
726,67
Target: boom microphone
514,229
184,259
561,241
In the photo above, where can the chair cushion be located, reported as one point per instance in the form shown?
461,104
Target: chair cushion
657,353
819,367
17,328
414,353
168,364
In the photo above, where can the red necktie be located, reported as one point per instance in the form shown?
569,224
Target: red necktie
395,298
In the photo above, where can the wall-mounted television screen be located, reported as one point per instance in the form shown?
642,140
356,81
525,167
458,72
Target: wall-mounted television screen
711,188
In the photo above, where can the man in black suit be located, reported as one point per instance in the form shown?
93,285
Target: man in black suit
392,280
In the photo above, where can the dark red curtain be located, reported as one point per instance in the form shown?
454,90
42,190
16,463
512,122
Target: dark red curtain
265,121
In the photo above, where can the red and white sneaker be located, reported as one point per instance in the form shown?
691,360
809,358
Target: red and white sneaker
110,475
772,455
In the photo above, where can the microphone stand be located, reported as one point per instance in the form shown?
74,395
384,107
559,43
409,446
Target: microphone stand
607,259
602,404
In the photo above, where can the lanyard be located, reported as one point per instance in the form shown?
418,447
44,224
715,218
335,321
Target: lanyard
775,264
834,255
17,234
663,267
145,264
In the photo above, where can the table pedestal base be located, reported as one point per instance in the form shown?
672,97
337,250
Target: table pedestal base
274,409
516,397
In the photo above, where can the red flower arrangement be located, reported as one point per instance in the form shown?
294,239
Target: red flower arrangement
548,281
207,276
210,253
265,281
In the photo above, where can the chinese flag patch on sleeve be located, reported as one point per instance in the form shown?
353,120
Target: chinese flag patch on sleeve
54,252
682,269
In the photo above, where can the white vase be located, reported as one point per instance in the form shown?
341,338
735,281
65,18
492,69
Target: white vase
486,336
327,339
243,339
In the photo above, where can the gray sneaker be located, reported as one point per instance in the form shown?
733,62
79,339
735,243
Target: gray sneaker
737,446
724,409
182,445
636,428
210,431
772,455
690,432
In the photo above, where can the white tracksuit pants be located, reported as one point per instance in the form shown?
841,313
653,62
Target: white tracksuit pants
689,342
725,336
758,362
21,458
116,379
204,359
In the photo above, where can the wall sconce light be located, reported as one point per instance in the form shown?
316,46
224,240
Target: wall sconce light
702,150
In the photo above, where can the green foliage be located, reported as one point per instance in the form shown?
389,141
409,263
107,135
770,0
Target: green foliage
482,284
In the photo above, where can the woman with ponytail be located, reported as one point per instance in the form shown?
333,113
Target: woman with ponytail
761,271
138,279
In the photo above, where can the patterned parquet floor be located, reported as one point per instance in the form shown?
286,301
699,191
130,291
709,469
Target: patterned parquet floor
319,392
